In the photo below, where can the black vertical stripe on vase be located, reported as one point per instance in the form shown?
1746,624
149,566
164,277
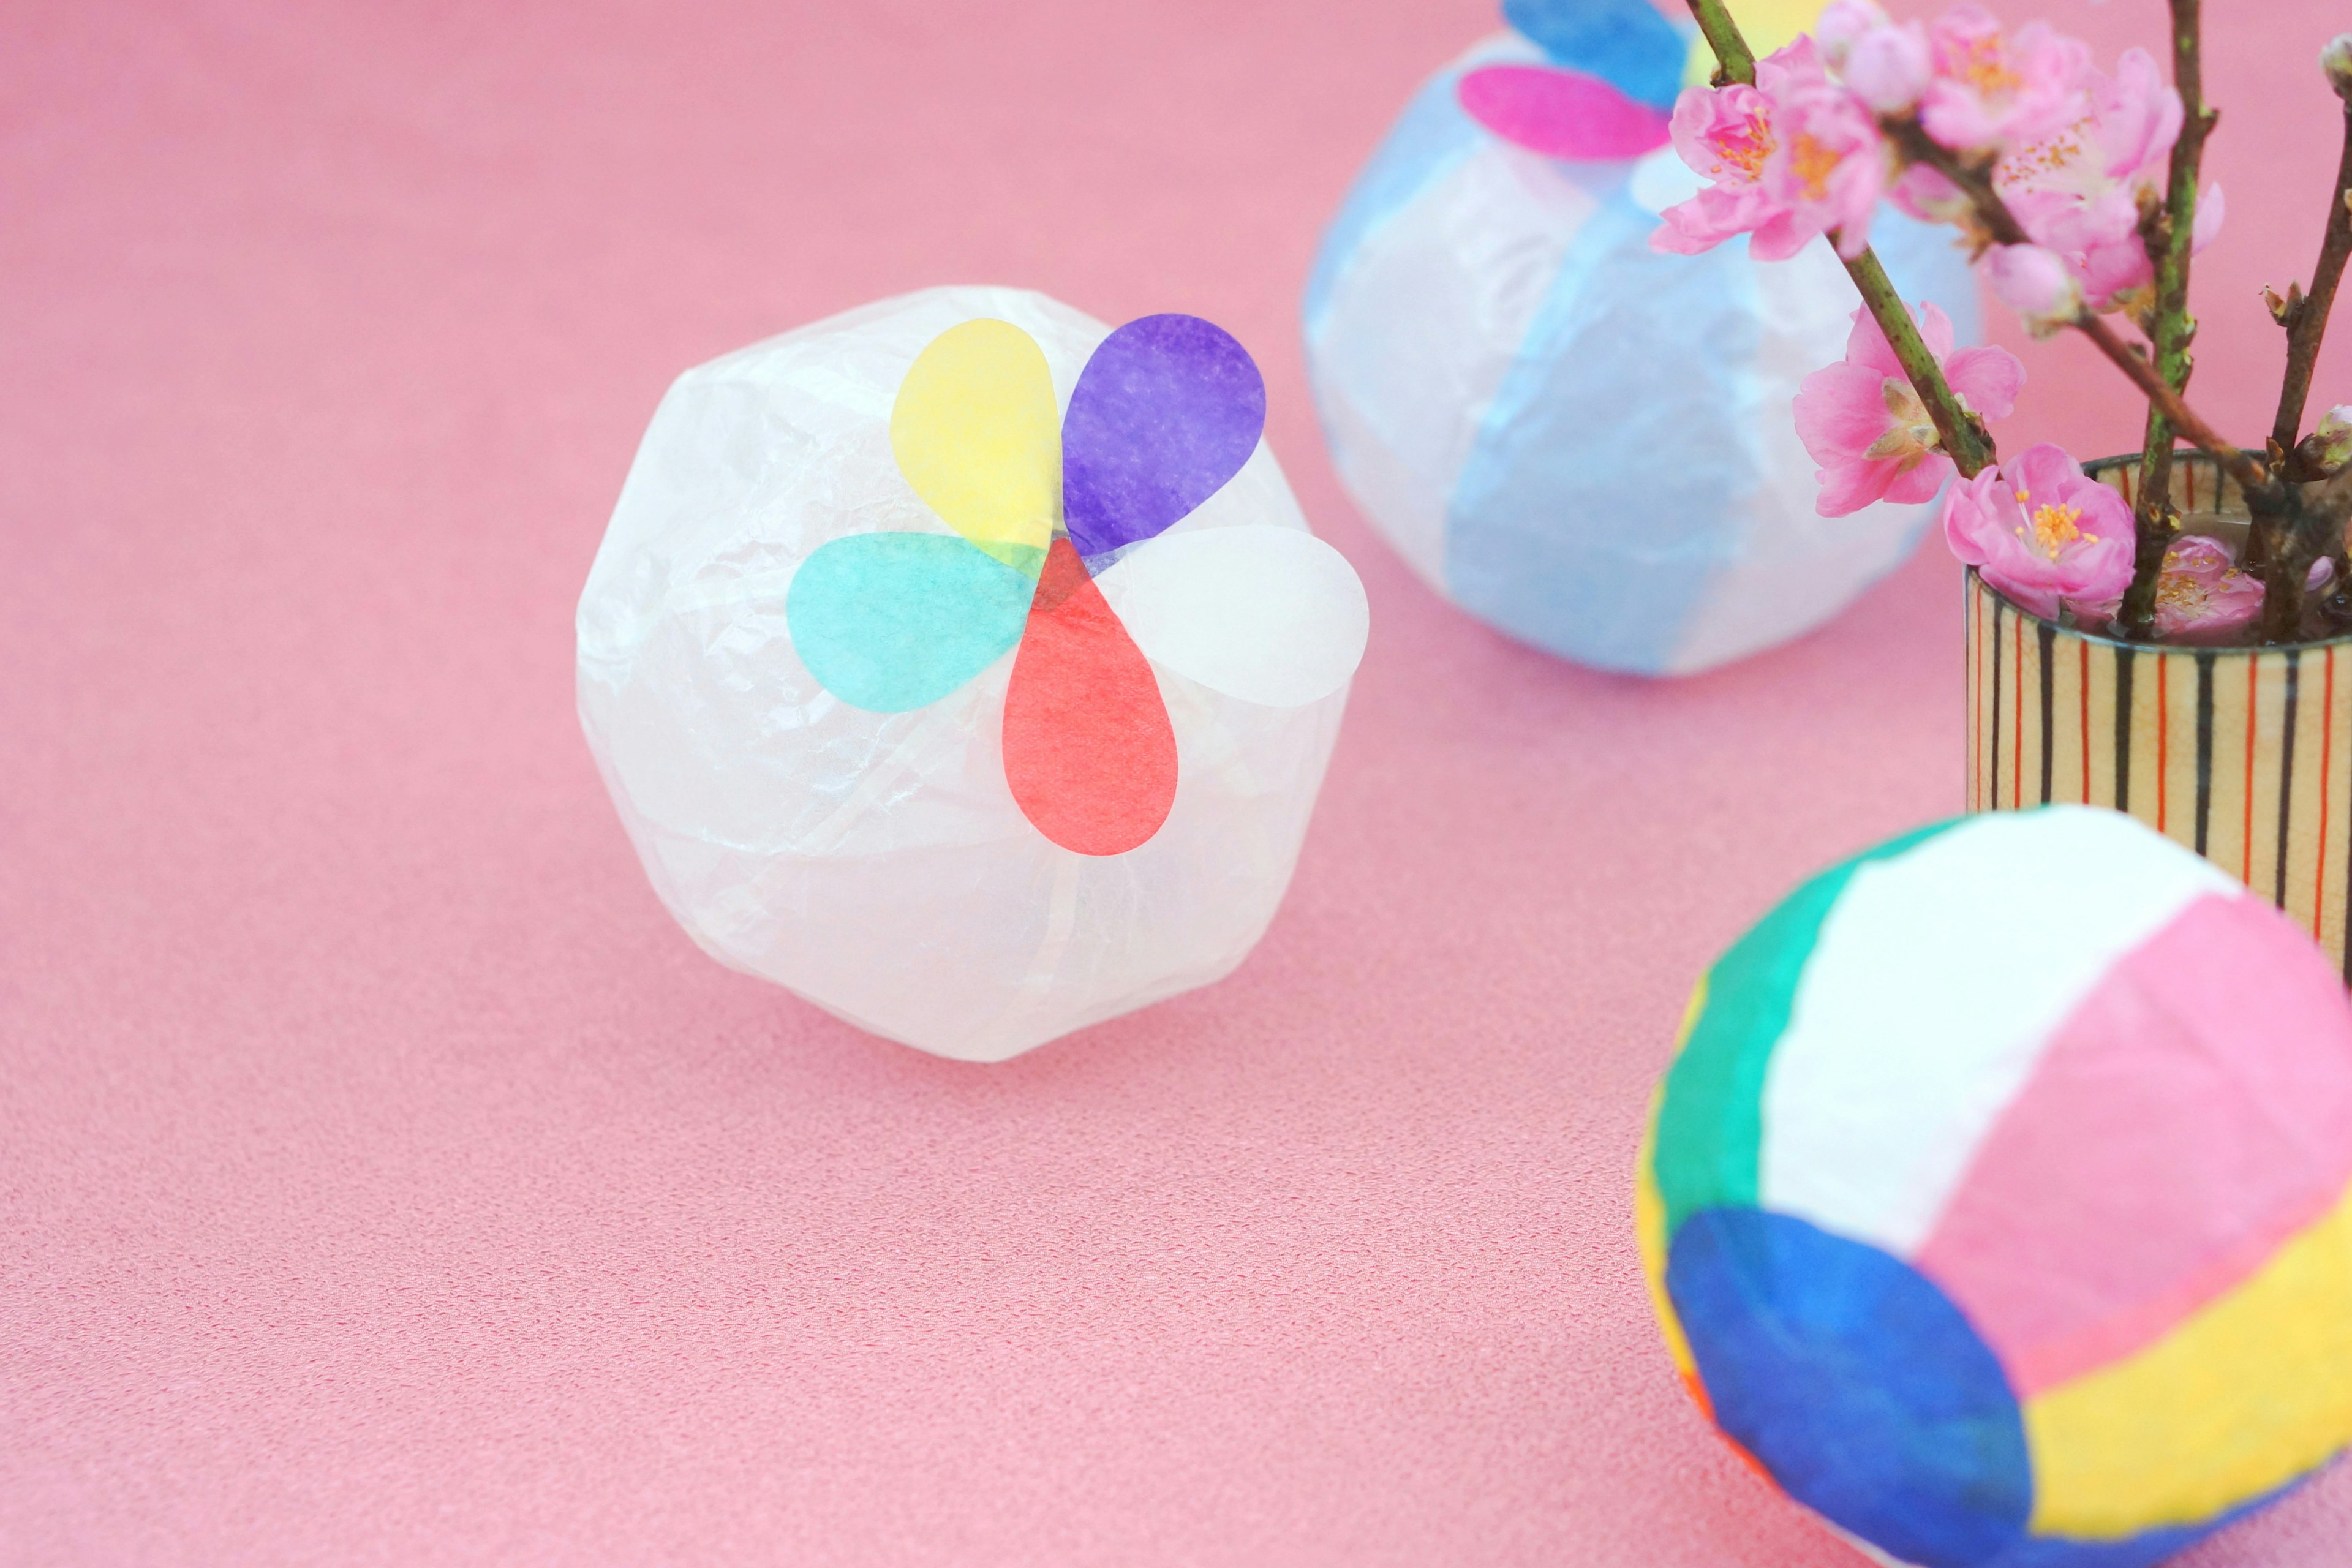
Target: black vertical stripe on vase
2123,727
1992,753
2046,636
2286,772
2204,746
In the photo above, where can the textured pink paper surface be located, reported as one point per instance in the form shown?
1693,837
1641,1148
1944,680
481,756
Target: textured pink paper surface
384,1179
2159,1153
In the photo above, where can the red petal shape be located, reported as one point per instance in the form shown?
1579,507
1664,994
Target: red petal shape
1560,113
1088,750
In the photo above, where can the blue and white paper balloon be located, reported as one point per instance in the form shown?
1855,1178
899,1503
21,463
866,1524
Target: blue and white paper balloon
1581,441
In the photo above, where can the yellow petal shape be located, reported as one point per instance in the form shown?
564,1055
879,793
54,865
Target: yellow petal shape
2240,1399
1767,25
977,432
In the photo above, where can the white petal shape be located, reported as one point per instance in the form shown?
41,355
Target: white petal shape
1268,614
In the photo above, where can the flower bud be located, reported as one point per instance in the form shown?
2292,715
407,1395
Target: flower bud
2336,59
2329,447
1889,67
1842,22
2034,283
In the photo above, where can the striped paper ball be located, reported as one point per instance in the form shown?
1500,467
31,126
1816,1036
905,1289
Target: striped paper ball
1584,443
1996,1202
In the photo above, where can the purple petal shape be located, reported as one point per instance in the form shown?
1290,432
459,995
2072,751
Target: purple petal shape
1168,409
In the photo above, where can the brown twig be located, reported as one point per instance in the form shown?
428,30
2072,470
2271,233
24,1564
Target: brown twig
2246,470
2169,234
2002,227
2306,317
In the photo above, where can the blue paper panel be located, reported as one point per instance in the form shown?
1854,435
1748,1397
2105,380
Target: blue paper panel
1856,1383
893,622
1593,507
1625,43
1607,493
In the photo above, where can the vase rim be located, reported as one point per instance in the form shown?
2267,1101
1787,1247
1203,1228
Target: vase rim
1977,578
2100,465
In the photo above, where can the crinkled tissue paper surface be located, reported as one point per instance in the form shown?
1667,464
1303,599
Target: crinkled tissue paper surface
1584,443
878,863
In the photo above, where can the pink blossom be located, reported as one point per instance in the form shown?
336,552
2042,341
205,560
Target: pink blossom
2040,531
1792,157
1865,427
1889,67
1993,88
2115,273
2035,283
1927,195
1885,66
2200,595
2081,191
1842,24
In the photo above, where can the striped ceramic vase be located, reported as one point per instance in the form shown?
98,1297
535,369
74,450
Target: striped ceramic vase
2244,754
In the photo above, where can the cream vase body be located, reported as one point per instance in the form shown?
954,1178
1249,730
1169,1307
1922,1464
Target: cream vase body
2244,754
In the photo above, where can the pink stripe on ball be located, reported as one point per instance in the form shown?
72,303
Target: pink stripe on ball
2189,1116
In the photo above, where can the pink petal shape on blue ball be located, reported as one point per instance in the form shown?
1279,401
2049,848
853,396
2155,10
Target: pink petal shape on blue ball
1560,113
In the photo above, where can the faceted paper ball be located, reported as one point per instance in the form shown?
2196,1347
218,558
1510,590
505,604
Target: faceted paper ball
967,667
1584,443
1996,1204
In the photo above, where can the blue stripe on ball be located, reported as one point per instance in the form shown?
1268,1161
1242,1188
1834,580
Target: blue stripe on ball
1857,1383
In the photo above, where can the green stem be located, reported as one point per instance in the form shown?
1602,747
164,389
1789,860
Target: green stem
1993,217
2170,234
1959,431
1731,50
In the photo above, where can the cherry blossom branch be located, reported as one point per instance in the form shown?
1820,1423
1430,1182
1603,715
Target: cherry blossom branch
2246,470
1731,51
2001,226
2169,234
1960,433
2304,316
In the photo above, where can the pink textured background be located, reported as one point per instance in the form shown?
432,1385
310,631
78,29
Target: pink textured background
384,1178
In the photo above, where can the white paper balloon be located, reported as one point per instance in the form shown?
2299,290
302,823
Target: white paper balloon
855,738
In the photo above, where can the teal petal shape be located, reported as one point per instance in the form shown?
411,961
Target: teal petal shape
892,621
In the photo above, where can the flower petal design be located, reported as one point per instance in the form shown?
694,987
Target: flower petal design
893,622
1560,113
1625,43
1266,613
1166,409
975,433
1088,749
